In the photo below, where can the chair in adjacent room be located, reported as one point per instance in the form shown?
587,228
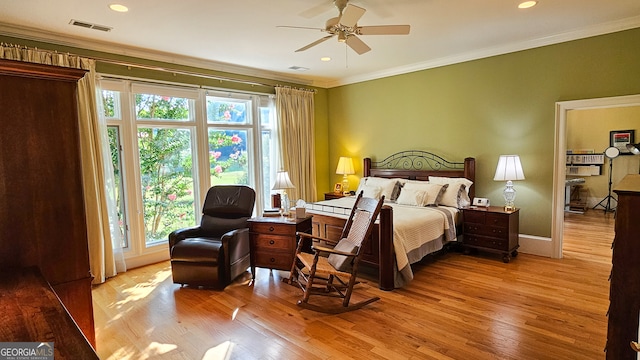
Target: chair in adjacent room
216,252
330,271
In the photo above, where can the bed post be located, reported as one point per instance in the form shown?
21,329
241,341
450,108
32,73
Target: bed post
387,254
366,170
470,173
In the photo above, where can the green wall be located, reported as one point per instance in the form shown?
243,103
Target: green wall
499,105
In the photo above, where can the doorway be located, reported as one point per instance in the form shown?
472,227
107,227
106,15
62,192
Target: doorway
562,109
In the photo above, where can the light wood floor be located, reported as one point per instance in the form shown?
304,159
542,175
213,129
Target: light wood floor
458,307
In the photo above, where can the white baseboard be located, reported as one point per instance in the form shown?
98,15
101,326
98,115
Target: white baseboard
535,245
151,258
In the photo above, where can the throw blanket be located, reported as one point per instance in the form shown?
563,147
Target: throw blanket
417,231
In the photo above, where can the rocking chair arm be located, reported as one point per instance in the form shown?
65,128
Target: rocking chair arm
318,248
310,236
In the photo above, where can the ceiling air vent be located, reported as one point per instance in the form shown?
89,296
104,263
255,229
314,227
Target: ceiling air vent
88,25
298,68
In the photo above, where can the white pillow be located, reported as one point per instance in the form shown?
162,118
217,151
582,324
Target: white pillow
434,191
448,180
457,193
413,197
386,185
371,191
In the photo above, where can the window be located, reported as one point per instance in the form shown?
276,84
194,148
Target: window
111,107
169,144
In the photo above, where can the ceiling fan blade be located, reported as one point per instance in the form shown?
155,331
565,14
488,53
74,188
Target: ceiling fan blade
384,30
351,15
300,27
315,43
357,45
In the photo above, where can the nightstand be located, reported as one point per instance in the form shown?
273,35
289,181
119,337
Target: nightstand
273,241
332,195
492,229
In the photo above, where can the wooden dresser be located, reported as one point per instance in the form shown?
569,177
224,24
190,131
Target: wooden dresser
42,214
492,229
274,241
624,293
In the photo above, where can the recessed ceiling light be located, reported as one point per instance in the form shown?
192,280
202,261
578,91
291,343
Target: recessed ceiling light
118,8
326,58
527,4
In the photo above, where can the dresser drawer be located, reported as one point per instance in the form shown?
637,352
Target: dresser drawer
487,242
488,218
274,260
268,242
476,217
271,228
487,230
493,219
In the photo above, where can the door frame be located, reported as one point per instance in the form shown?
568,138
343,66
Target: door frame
560,150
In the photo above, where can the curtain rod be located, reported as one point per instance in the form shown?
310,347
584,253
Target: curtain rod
156,68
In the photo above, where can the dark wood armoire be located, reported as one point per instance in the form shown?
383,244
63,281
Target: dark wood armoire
624,294
42,214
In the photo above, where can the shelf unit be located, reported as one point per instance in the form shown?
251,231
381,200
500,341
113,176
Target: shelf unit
584,164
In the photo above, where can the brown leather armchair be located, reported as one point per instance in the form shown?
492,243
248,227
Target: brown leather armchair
216,252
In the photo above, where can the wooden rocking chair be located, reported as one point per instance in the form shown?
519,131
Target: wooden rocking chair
335,275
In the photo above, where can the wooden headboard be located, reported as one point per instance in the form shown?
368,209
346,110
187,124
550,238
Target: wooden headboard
419,165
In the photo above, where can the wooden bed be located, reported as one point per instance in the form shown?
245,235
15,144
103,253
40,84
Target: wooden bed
414,165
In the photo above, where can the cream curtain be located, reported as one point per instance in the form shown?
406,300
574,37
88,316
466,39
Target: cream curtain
105,238
295,109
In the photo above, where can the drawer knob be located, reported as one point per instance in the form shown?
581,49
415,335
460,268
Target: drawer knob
271,228
271,242
272,260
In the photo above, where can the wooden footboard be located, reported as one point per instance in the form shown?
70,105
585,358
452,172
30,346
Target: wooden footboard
378,251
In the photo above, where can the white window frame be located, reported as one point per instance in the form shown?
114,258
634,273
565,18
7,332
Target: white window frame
139,253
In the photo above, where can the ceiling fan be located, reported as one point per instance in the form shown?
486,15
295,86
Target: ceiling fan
345,27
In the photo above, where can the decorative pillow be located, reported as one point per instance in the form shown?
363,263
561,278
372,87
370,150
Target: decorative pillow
457,194
396,191
434,191
413,197
342,262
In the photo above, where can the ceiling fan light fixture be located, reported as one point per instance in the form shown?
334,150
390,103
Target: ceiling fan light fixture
342,36
527,4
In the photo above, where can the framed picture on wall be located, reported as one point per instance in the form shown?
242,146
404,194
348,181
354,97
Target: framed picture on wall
620,139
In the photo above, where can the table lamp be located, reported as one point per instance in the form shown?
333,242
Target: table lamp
345,167
283,183
509,168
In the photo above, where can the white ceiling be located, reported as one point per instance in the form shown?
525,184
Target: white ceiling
242,36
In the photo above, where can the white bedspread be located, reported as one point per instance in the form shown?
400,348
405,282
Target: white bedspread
417,231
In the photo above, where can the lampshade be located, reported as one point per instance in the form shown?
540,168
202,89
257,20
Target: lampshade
282,181
509,168
345,166
634,148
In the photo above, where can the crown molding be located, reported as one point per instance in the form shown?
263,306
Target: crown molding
116,49
600,29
